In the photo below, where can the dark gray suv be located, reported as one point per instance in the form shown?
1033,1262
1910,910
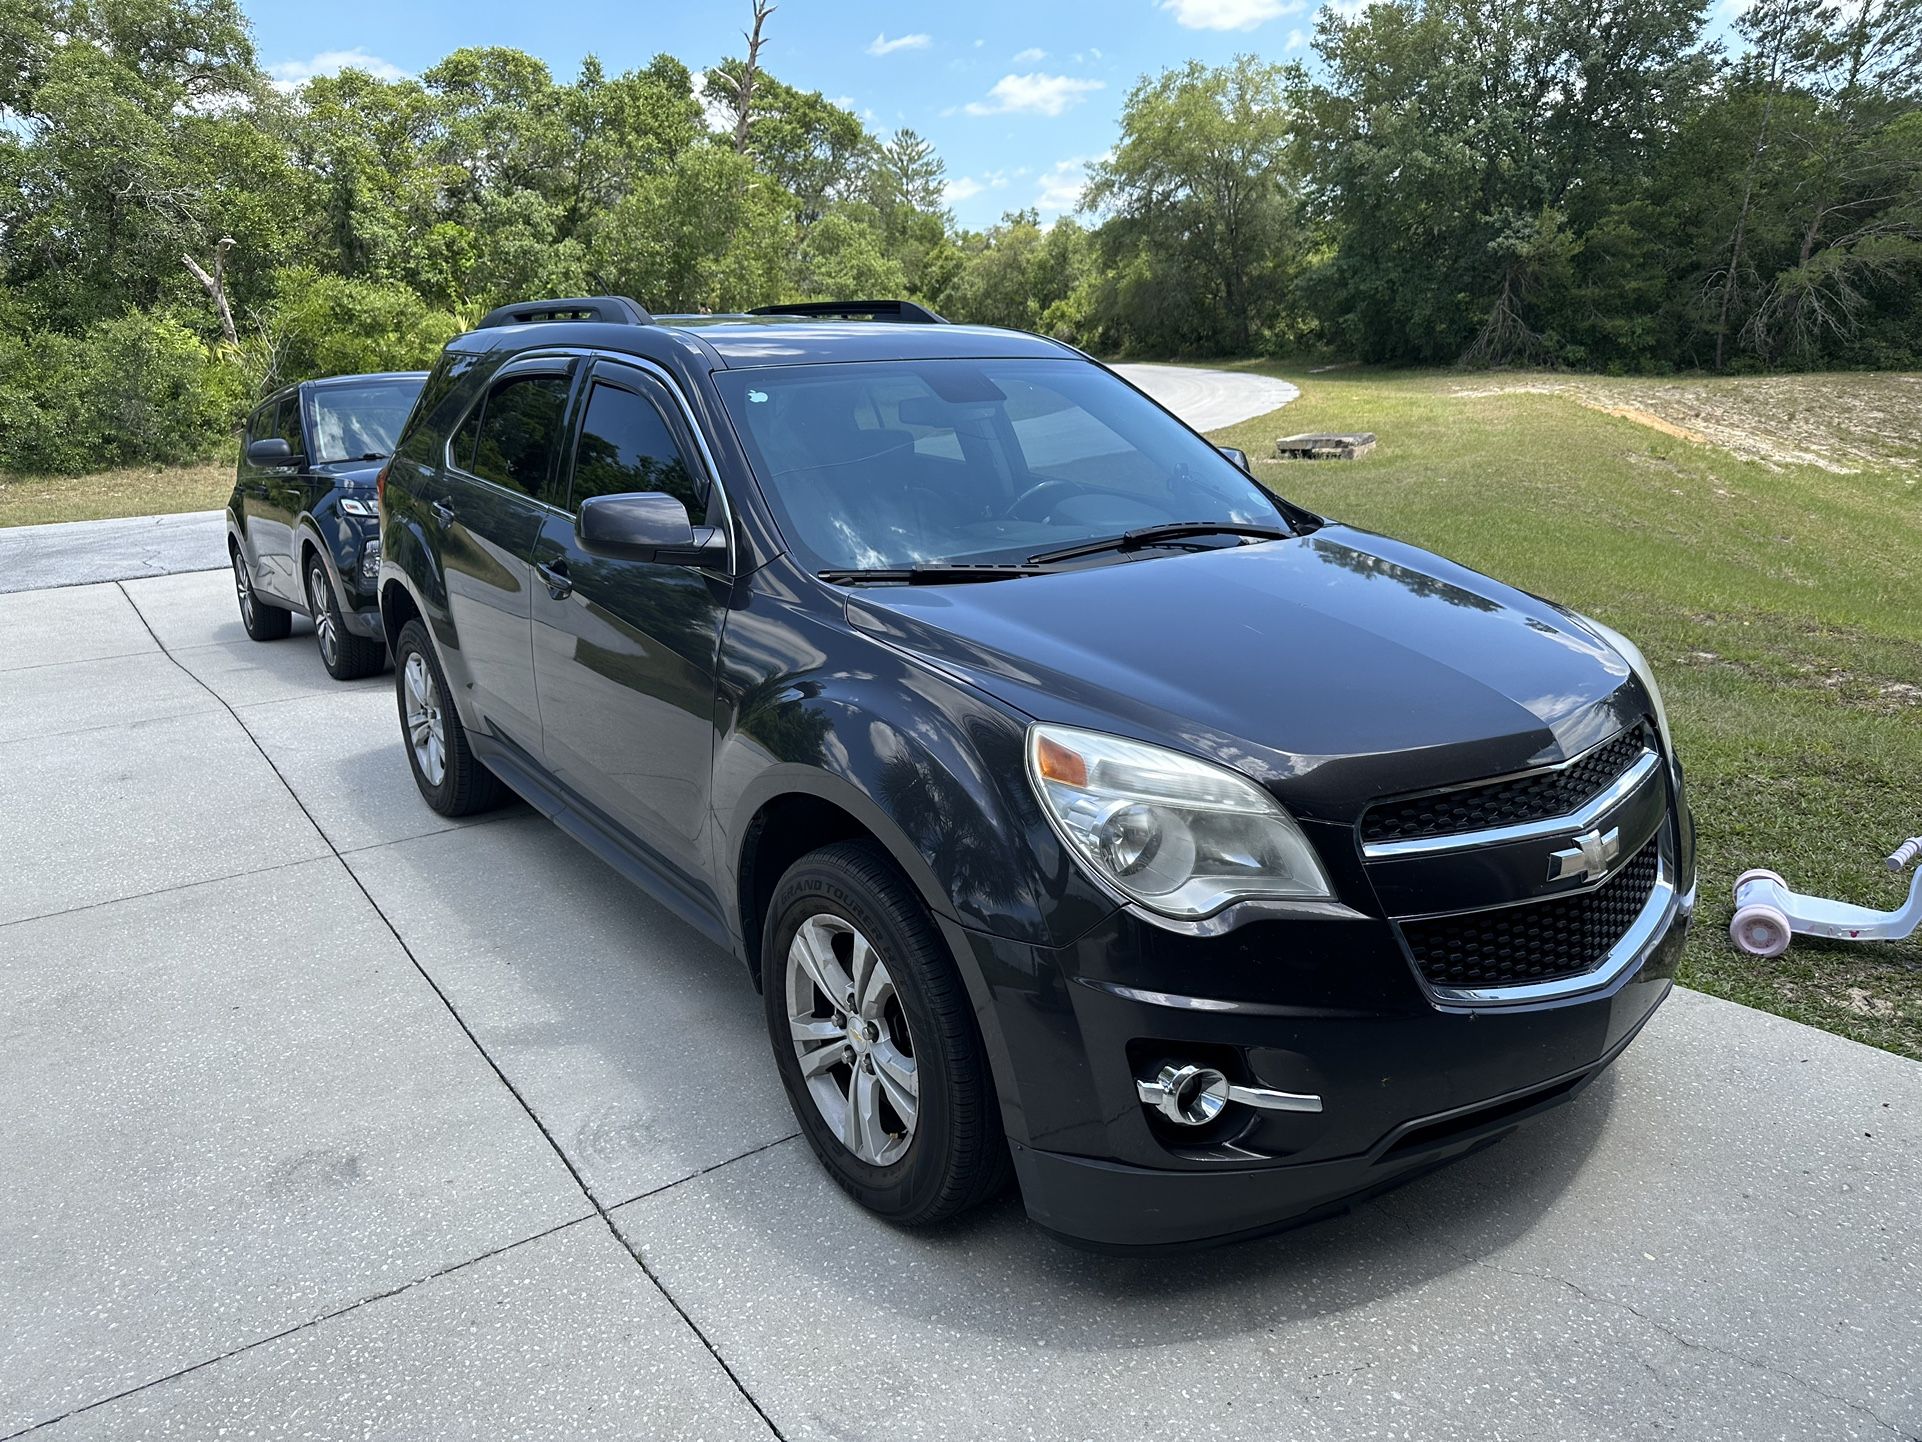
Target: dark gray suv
1078,807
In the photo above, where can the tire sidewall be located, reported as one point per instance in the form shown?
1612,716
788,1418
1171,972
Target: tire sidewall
812,887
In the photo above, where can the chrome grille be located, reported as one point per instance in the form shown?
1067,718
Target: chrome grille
1539,941
1537,796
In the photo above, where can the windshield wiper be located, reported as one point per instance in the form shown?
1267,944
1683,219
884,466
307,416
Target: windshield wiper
1159,535
936,575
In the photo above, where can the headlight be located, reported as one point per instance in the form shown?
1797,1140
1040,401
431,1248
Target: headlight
1638,663
355,506
1181,836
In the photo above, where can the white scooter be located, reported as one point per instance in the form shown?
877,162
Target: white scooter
1766,911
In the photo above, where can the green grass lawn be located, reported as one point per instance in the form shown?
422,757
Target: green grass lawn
1772,571
131,491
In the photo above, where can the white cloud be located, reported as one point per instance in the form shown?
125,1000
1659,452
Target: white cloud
1033,55
1036,94
1296,39
967,187
881,45
1229,14
1058,189
291,74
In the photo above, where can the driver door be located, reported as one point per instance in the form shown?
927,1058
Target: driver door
625,651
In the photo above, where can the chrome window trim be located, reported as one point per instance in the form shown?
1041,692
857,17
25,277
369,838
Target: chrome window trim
666,379
559,361
1641,934
1592,811
519,367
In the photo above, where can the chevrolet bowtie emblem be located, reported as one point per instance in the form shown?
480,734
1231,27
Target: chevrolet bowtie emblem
1591,856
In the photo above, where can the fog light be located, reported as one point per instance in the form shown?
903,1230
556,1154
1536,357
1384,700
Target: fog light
1193,1096
370,561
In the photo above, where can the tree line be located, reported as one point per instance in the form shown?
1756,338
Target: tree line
1584,183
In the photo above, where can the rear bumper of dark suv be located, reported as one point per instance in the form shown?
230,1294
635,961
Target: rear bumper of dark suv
1406,1084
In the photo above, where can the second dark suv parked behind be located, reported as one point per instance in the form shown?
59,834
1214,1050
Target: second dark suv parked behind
1073,802
303,530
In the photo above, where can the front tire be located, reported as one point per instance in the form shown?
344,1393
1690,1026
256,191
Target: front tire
263,622
346,656
450,779
875,1039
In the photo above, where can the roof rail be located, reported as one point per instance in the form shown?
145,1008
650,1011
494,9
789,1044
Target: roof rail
904,312
617,309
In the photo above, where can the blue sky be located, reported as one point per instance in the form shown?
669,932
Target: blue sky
1018,97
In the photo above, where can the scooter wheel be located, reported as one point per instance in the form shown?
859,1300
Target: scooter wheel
1760,931
1760,873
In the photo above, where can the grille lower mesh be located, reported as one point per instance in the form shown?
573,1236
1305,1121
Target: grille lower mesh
1538,941
1535,797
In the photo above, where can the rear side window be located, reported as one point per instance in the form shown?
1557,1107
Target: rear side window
282,419
626,445
518,433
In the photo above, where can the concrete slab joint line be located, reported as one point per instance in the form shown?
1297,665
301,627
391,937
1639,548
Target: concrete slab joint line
1389,1209
401,941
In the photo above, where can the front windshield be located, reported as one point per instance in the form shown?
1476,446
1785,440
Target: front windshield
361,419
887,464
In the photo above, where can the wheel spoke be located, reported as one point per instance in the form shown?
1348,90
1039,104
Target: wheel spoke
899,1079
816,945
875,986
822,1059
863,1134
815,1028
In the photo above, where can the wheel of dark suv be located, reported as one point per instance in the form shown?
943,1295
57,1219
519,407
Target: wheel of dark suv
450,779
876,1041
263,622
346,656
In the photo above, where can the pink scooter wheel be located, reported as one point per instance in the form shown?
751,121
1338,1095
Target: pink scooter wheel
1760,873
1760,931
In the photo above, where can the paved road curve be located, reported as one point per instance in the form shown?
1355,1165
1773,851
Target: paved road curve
328,1118
80,552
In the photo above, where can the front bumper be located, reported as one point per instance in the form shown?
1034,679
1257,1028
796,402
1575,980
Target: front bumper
1406,1084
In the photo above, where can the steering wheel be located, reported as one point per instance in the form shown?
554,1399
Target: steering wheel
1034,503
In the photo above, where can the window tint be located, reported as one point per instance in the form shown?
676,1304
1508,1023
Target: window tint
260,425
286,423
520,426
626,446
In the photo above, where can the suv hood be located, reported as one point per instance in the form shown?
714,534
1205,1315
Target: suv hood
354,475
1333,667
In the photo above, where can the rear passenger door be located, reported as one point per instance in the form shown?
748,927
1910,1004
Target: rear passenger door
625,650
502,458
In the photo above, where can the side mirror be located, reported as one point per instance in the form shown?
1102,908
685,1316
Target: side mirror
1238,456
272,451
647,526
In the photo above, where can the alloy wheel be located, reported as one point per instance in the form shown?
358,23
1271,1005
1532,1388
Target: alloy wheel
244,589
852,1039
319,603
426,731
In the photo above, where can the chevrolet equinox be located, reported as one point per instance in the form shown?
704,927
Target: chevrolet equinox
1079,808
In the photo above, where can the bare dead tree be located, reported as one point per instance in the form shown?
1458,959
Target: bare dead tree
216,286
740,89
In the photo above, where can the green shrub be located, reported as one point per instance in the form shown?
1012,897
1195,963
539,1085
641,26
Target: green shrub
328,325
140,387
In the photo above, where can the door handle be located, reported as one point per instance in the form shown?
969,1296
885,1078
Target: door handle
443,513
559,584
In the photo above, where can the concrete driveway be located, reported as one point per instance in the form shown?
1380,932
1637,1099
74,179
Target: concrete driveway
327,1118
